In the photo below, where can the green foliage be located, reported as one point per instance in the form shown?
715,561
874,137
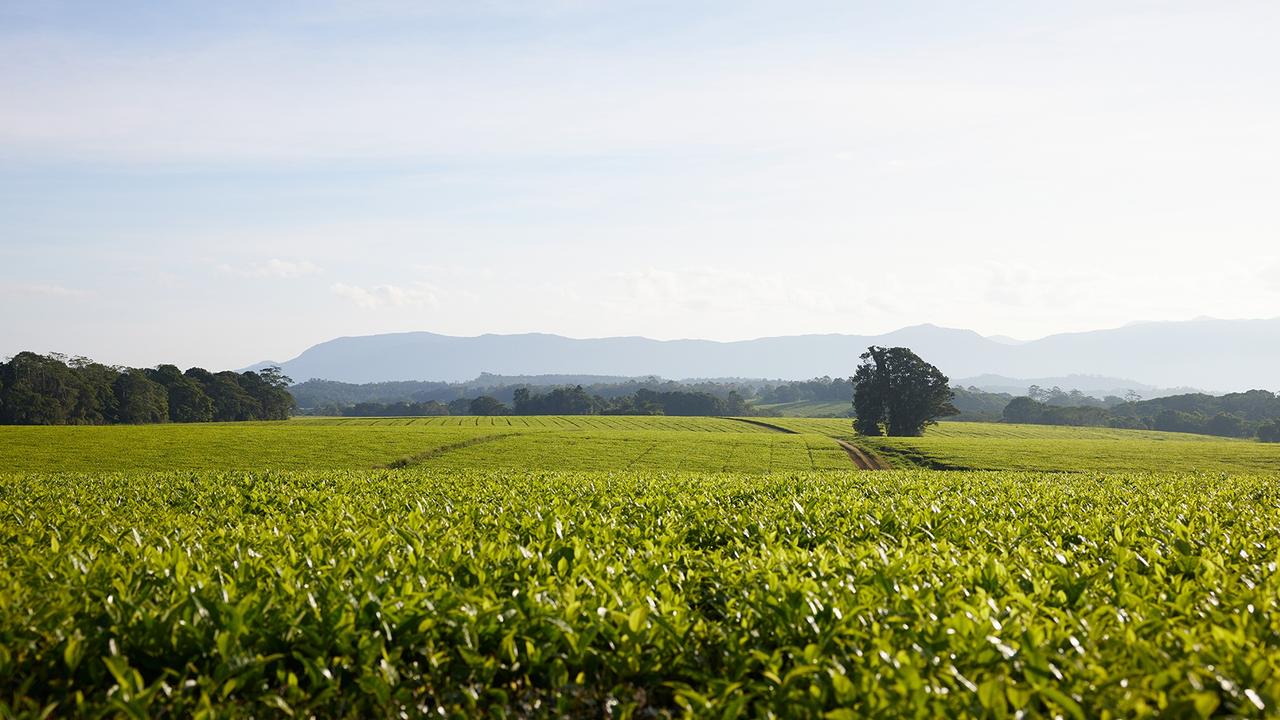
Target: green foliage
187,399
1237,415
897,390
52,390
485,405
141,400
42,390
359,594
1269,432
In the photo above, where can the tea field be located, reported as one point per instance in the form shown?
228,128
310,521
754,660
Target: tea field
634,567
529,443
643,594
610,444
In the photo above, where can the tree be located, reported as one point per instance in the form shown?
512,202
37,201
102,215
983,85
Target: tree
269,387
1178,421
487,405
42,390
1023,410
139,399
98,402
1269,432
188,401
1225,425
896,388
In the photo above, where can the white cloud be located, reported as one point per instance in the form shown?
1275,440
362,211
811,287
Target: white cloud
379,296
275,268
42,290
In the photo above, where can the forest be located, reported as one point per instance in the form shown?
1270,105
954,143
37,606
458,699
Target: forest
58,390
566,400
1239,415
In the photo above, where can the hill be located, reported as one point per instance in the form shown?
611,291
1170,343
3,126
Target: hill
1216,355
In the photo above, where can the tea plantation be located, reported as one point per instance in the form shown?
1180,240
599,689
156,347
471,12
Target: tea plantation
291,570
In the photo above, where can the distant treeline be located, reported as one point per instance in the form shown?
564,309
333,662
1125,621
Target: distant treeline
1236,415
823,389
566,401
1239,415
327,397
57,390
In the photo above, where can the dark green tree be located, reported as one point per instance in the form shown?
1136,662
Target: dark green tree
1023,410
230,401
487,405
140,399
1224,425
1269,431
98,402
42,390
270,390
188,401
897,390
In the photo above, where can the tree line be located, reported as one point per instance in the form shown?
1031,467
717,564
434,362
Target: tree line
327,397
568,400
822,389
59,390
1255,413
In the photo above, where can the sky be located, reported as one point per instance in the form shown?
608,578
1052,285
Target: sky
216,184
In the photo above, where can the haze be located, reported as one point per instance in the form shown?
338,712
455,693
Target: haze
217,183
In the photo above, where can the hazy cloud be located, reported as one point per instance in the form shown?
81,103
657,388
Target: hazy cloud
274,268
42,290
379,296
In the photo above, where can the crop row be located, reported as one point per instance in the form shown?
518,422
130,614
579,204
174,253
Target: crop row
556,422
639,594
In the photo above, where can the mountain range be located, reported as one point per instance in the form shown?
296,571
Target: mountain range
1211,354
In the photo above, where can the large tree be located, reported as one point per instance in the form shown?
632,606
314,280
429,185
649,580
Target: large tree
139,399
42,390
188,401
897,392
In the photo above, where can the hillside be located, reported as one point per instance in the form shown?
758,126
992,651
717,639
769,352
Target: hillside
1214,355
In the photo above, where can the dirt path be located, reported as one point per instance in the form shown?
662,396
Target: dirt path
862,459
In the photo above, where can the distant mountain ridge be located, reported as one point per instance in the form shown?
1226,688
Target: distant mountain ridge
1218,355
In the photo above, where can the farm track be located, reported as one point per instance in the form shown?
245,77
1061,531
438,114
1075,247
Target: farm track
861,459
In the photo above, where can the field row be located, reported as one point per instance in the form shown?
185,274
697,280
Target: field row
610,443
413,592
649,450
319,445
553,422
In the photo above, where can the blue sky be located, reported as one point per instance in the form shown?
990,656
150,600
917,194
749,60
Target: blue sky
219,183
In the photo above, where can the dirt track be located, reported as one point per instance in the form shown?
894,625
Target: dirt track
862,459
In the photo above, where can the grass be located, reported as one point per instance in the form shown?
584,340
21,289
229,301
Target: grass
638,594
